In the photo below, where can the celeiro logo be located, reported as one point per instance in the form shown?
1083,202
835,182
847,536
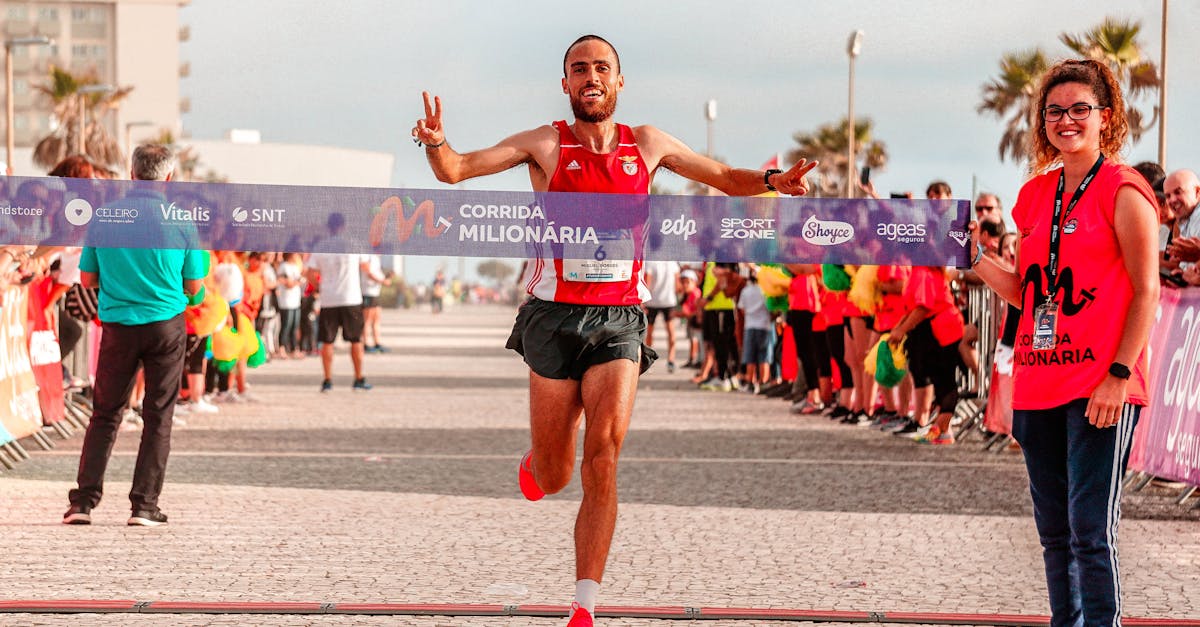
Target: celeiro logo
903,233
79,212
748,228
827,232
175,213
682,225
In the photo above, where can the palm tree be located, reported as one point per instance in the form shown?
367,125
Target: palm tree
69,109
828,145
1011,94
1114,42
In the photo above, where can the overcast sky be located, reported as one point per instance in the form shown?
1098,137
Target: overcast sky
350,74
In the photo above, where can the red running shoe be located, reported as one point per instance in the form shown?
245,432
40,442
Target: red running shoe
529,486
581,618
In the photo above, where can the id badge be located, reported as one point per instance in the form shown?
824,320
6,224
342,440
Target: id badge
593,271
1045,326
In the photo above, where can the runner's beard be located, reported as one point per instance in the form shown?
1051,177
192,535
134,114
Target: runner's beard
602,110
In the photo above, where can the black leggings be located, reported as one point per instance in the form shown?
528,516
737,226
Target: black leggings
722,329
835,336
812,350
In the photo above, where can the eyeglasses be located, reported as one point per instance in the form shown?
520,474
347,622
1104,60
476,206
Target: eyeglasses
1077,111
985,207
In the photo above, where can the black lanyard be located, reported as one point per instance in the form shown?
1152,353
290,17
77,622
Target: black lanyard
1056,223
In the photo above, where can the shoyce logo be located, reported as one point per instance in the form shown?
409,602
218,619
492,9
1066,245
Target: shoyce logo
79,212
962,237
827,233
903,233
682,225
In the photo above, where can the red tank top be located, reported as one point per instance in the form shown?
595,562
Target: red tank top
622,171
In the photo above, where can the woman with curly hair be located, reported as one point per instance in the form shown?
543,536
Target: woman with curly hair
1087,286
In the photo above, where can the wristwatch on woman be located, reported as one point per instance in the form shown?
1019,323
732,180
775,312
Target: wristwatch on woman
1119,370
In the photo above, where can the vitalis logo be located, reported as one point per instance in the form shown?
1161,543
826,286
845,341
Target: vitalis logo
175,213
827,232
682,225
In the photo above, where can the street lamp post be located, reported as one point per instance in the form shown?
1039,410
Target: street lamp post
81,142
9,124
710,114
853,48
1162,93
129,140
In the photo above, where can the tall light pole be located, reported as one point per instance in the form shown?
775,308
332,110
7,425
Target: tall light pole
1162,93
710,114
129,140
853,48
9,124
81,141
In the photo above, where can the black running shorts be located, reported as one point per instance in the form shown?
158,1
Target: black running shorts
349,319
561,341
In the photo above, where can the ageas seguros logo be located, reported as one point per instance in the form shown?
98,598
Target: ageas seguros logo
902,233
827,232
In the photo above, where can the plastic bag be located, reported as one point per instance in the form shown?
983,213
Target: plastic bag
890,364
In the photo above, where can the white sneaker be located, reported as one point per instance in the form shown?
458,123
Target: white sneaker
247,397
202,406
183,409
228,396
922,432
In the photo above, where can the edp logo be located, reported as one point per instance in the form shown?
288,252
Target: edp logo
682,225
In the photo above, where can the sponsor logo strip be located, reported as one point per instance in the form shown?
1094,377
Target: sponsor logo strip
442,222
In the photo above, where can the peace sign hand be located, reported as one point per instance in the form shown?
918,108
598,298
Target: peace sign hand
429,130
792,182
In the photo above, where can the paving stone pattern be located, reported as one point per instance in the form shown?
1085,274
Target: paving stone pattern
407,494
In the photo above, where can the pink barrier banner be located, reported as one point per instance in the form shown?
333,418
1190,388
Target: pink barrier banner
45,356
1167,440
20,412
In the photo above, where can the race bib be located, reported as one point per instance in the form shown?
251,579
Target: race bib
594,271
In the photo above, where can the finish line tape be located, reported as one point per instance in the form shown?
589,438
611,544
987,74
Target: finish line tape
454,223
74,606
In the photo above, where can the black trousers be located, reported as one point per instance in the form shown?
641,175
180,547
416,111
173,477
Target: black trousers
159,348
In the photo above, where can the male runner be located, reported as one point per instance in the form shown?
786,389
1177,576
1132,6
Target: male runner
583,340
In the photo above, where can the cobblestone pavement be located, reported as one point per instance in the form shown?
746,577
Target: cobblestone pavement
407,494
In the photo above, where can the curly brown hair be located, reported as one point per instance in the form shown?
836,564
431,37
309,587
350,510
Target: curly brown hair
74,167
1097,76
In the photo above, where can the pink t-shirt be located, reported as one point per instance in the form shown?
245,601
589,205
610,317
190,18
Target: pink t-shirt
927,287
1094,295
890,309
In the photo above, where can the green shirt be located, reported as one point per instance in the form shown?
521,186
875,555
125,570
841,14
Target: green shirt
143,285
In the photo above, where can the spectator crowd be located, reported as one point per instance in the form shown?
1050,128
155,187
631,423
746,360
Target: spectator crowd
737,317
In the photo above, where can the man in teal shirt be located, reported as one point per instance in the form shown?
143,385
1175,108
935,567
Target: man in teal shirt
143,292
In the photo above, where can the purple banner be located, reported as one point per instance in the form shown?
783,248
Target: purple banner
1167,441
445,222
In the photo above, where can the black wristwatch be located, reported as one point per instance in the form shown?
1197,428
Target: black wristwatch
767,178
1119,370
